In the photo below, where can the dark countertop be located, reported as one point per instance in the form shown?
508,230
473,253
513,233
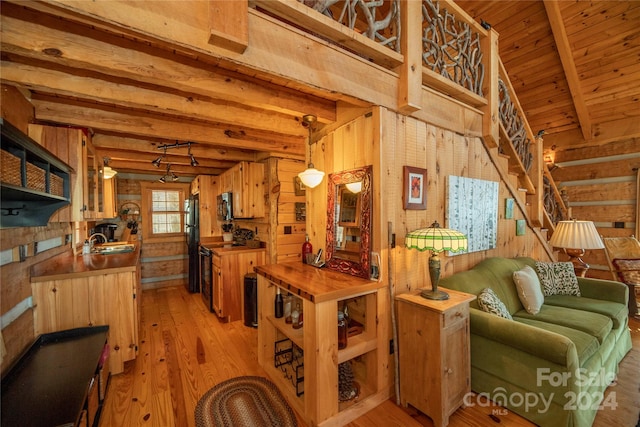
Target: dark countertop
49,384
66,265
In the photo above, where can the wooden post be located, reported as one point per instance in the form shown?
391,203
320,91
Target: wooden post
491,119
228,22
410,72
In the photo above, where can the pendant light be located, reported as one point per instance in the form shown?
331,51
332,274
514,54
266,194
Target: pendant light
108,172
311,177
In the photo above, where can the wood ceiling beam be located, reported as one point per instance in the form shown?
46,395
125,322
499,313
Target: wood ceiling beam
154,126
199,150
566,58
84,48
600,134
54,82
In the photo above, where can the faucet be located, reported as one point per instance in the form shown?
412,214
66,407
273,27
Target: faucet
94,235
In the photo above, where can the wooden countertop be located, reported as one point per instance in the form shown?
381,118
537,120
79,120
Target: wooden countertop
455,298
316,284
65,266
227,248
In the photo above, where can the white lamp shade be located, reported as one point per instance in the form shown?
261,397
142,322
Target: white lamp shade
108,173
311,177
436,239
576,235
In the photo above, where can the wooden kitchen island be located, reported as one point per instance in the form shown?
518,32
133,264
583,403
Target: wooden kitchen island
86,290
304,362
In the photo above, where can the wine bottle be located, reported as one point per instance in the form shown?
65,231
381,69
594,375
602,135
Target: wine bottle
307,249
279,304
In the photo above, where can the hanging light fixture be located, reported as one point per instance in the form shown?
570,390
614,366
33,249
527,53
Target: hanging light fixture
194,162
168,174
108,172
311,177
157,161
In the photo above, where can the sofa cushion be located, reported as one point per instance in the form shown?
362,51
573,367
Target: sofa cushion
489,302
615,311
558,278
586,345
529,289
594,324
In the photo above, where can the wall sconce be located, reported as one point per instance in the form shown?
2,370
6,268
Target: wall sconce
311,177
107,172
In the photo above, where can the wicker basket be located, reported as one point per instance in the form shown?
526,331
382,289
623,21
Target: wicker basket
36,179
56,185
10,170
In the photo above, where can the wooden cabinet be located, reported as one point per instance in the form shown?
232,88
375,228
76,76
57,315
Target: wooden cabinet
93,183
91,300
433,342
229,268
314,347
205,187
247,180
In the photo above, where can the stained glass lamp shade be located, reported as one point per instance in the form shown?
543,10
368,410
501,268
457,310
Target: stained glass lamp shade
436,240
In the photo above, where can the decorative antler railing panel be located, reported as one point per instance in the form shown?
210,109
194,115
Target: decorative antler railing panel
378,20
514,126
367,28
451,47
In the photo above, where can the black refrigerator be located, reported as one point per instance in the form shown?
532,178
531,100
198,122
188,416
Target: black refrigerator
193,242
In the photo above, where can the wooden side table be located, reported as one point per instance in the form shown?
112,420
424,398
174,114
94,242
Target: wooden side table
433,346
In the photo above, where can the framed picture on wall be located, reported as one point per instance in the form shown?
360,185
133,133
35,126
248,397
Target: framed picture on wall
520,227
508,208
414,192
298,187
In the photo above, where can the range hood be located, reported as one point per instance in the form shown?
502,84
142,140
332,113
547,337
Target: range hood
33,182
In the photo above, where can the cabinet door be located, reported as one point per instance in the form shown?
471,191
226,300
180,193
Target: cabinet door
455,364
218,288
60,305
120,313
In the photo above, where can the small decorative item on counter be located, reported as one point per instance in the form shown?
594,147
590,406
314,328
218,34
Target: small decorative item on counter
278,304
307,249
342,331
287,308
348,389
86,248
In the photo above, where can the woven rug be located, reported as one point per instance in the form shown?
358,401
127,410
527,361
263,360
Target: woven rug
244,401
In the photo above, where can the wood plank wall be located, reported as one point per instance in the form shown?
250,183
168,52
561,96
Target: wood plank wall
601,186
389,141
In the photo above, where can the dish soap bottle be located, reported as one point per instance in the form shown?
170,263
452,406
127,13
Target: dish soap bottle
86,248
307,249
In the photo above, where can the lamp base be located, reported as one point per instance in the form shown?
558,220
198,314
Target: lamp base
436,295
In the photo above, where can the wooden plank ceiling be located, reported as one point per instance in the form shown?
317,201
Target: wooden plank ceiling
575,67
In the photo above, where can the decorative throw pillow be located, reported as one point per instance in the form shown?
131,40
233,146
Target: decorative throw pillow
489,302
557,278
529,289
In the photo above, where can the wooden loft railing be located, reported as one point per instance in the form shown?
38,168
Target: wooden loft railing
459,57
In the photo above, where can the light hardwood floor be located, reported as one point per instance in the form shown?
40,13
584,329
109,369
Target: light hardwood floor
185,350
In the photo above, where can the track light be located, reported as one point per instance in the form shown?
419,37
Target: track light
194,162
163,179
157,161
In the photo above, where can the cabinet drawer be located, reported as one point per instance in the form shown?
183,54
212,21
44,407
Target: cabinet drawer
457,314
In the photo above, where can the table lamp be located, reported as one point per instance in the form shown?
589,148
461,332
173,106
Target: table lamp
575,237
436,240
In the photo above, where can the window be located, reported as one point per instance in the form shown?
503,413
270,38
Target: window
163,205
166,212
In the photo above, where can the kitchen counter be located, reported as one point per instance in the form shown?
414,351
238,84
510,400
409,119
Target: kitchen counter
316,284
228,248
66,265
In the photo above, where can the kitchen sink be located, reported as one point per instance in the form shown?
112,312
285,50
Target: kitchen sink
113,248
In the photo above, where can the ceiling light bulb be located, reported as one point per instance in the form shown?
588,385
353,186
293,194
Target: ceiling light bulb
157,161
174,177
163,179
194,162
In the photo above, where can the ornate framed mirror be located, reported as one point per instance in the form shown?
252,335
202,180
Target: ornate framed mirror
349,207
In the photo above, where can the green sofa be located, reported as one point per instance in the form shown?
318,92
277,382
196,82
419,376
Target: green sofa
553,367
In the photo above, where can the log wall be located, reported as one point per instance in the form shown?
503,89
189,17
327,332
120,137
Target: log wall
601,186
